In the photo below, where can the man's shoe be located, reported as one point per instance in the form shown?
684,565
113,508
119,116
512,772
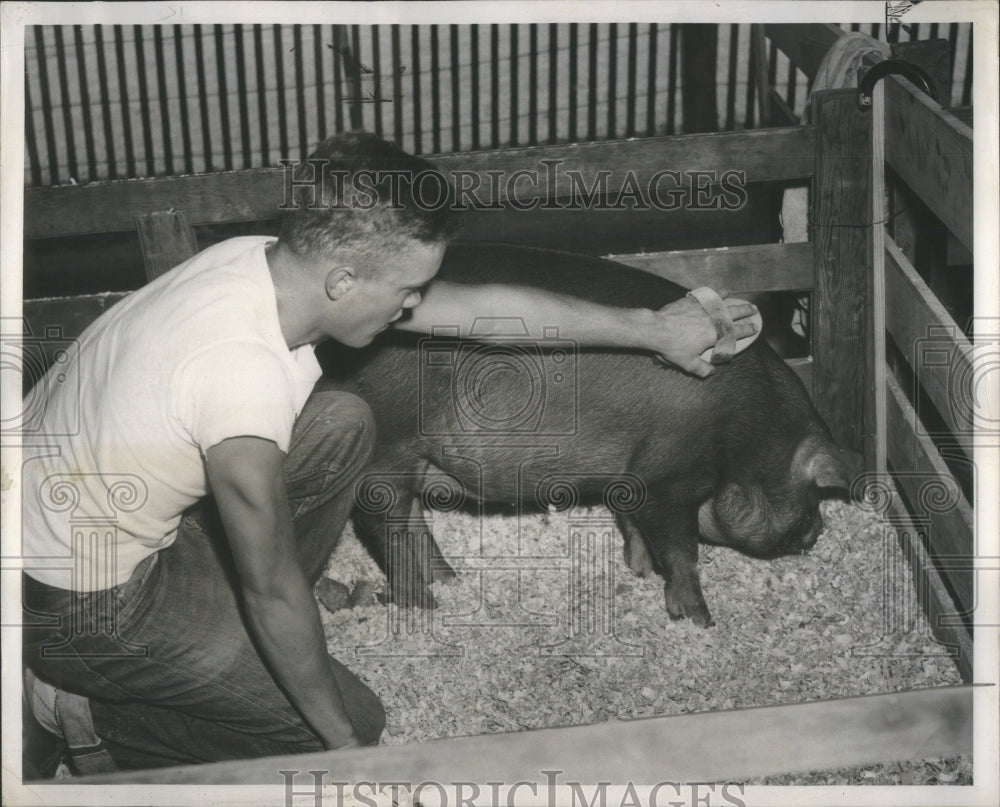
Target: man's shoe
66,716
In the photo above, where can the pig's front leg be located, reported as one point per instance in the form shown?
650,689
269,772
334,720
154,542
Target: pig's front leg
672,532
389,522
440,569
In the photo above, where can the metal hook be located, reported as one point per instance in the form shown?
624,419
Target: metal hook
893,67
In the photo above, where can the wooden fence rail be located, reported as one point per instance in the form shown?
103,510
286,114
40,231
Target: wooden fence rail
725,746
254,194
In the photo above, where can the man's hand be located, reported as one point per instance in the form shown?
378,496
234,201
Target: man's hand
682,331
246,476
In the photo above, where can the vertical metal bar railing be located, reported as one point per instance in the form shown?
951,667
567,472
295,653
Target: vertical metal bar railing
262,105
397,86
161,92
222,73
456,95
279,75
417,119
474,56
672,80
435,75
147,129
632,91
376,89
242,97
67,111
514,89
221,97
592,82
206,129
85,111
182,99
300,93
102,79
654,31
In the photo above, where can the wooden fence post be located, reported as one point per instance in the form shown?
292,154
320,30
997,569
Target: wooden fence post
842,195
166,240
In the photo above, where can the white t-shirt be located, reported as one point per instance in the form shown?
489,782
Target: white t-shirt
193,358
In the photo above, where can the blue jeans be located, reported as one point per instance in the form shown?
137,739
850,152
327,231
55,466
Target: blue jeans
171,672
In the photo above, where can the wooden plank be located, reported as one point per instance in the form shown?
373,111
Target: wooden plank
54,322
706,746
874,413
69,315
963,113
931,151
925,479
804,45
600,231
759,267
933,343
842,197
944,620
100,207
763,86
166,240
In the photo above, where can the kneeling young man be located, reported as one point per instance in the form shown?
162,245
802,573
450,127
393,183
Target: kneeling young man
183,631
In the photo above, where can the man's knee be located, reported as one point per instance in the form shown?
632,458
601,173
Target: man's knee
335,429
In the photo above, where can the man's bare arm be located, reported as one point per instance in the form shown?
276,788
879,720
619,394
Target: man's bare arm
246,476
679,332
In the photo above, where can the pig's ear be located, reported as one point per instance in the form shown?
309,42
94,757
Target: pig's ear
825,465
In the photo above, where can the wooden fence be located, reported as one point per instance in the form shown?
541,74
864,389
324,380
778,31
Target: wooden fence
910,405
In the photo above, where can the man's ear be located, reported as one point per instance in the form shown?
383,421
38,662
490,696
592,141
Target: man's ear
339,281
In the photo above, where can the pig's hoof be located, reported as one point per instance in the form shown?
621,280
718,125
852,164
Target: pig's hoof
697,612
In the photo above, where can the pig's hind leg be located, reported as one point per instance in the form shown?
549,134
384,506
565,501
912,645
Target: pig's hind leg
671,528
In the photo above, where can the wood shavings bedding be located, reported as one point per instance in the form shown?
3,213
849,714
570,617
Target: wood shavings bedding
548,627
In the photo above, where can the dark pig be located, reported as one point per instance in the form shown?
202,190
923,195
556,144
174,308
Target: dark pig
740,458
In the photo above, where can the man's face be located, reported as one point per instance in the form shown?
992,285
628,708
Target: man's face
376,300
